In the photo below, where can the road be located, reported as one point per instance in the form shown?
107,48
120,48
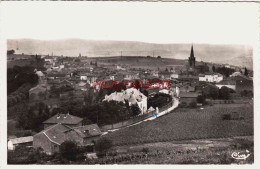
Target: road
175,105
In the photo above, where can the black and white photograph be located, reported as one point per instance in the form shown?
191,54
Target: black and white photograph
128,82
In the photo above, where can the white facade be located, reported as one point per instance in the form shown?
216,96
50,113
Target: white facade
174,76
83,77
229,86
12,143
211,78
133,96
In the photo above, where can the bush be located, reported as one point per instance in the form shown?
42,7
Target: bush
69,150
193,105
226,117
102,146
145,150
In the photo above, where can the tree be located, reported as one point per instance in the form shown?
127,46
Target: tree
102,146
135,110
10,52
69,150
246,72
193,105
213,68
224,93
159,57
166,70
145,92
214,93
201,99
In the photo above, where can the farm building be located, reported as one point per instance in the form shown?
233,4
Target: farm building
66,119
52,137
228,83
22,141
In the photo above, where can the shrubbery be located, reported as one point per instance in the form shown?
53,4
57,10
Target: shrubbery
102,146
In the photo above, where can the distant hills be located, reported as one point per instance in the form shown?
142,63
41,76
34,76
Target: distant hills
238,55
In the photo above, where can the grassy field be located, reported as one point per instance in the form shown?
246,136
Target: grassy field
186,124
142,62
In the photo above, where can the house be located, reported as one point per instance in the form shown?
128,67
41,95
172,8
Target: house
130,75
41,77
56,76
52,137
242,83
236,74
22,141
188,98
211,77
88,134
82,86
165,91
66,119
165,75
151,109
228,83
155,74
38,93
174,75
132,95
118,67
66,83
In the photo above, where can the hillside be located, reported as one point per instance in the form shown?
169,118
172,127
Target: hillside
98,48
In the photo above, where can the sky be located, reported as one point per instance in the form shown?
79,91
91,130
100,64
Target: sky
217,23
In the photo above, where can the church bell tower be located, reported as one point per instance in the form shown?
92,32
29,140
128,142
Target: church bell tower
192,59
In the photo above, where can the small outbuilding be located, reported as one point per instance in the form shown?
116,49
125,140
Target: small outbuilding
25,141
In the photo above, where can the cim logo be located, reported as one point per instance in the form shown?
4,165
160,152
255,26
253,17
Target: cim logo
240,155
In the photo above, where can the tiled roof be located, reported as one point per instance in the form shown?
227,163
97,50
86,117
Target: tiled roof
56,133
88,130
22,140
63,119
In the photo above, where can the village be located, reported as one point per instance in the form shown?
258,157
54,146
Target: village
63,103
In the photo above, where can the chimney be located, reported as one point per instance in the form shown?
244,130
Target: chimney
86,132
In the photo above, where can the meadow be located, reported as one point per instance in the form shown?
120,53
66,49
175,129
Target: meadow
187,124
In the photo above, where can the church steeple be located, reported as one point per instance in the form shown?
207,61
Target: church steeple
192,59
191,52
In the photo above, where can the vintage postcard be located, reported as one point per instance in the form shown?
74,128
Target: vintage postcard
129,83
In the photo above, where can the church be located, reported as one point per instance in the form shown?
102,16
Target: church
193,67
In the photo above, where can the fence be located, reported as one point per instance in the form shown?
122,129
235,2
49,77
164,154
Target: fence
135,119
